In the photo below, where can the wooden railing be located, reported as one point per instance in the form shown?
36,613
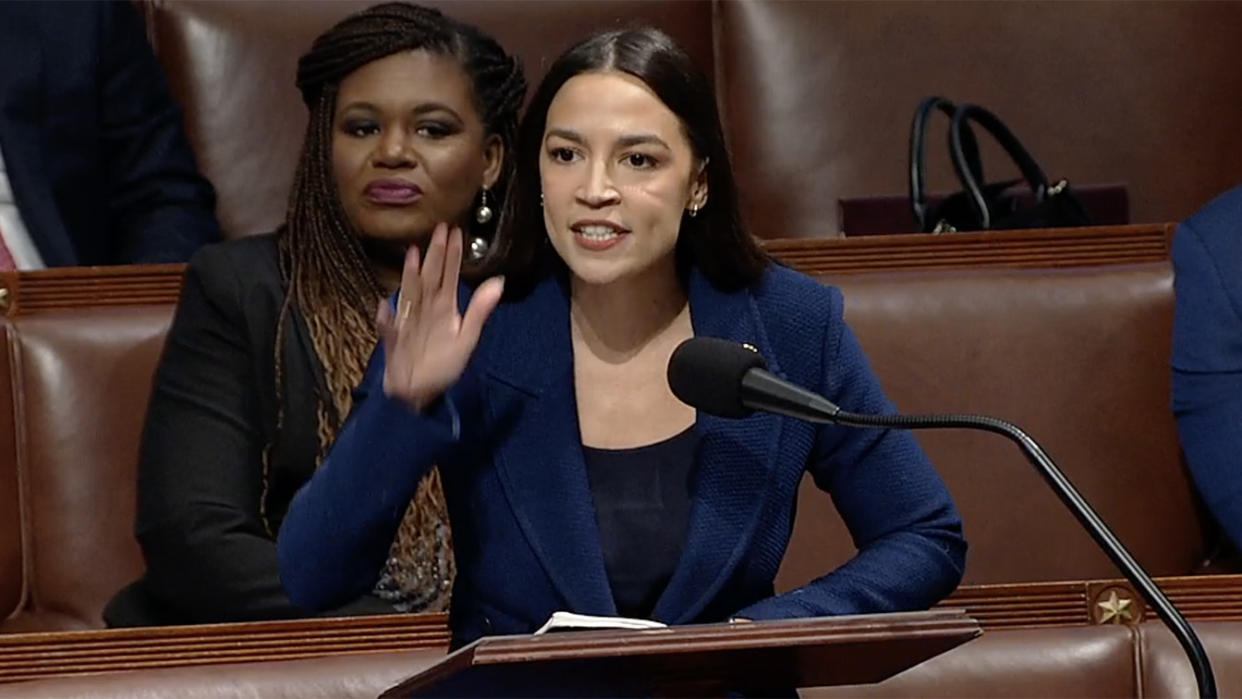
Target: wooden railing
81,287
28,656
1060,247
1086,602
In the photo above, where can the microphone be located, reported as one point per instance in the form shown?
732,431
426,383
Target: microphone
726,379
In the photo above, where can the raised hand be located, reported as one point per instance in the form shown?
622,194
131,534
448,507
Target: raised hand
427,341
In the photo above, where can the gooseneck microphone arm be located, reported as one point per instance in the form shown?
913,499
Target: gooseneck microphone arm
761,390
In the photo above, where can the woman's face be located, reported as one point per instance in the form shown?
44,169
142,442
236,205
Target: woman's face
617,173
408,146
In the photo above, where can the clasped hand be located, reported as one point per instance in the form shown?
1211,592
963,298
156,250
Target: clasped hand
427,341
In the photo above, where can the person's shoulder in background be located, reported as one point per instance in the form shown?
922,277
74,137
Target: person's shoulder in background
101,168
1207,353
1219,223
1207,264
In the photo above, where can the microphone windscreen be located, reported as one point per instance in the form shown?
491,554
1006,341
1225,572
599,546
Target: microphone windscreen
706,373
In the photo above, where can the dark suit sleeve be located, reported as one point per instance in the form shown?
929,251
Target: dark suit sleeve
209,556
1207,367
161,208
911,551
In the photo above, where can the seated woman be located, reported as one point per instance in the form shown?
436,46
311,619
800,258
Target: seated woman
1207,357
574,479
411,116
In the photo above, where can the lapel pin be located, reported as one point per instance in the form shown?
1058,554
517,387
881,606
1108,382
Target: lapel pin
750,347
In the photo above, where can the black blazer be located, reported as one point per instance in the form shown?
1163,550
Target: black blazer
93,144
210,555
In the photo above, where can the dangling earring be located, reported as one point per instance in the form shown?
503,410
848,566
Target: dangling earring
693,210
541,200
478,248
483,214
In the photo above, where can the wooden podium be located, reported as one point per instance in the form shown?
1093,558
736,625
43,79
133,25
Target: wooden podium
705,660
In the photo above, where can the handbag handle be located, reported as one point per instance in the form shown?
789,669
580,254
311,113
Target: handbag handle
964,149
918,163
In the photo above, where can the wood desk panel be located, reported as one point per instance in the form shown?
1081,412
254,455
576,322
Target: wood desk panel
1032,605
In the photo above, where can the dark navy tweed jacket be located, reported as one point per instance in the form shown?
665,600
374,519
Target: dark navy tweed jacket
1207,354
525,535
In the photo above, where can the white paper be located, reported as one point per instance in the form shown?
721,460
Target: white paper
569,620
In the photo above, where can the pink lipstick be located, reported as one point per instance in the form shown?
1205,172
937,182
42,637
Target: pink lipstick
393,192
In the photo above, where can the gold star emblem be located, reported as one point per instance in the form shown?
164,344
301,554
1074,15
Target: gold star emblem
1116,610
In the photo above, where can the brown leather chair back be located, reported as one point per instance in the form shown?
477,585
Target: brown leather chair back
1086,662
1167,672
232,65
11,515
819,96
84,378
1079,359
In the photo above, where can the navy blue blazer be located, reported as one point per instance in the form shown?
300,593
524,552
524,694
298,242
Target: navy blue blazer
93,144
507,442
1207,354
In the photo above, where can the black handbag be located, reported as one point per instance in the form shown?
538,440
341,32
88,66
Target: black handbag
985,205
918,158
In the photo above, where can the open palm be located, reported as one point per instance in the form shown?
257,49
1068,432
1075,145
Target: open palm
427,341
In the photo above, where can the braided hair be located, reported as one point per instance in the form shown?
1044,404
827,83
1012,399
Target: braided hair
327,274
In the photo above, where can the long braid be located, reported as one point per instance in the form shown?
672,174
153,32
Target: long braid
329,277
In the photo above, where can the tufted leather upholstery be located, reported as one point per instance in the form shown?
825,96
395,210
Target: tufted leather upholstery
79,382
817,96
1076,357
11,590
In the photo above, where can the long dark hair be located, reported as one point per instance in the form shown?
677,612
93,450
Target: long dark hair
715,241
